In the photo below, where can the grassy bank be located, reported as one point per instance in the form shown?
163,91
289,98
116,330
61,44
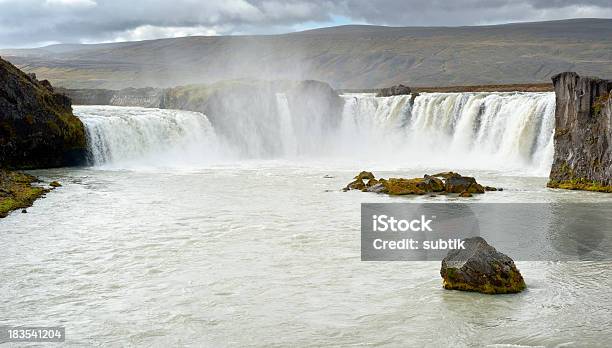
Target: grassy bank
17,191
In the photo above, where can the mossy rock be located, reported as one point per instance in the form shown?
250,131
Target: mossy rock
365,176
580,184
452,183
480,268
37,126
17,191
401,186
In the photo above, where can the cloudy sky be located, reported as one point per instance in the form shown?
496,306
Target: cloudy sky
32,23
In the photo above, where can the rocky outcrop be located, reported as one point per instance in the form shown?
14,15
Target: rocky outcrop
583,133
479,267
448,182
37,127
394,90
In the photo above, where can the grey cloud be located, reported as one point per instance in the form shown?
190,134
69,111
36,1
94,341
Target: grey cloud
33,22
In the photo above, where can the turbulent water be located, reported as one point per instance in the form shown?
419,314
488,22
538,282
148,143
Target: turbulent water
501,131
178,237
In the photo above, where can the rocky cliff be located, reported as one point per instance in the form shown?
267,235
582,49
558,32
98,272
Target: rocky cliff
37,127
583,133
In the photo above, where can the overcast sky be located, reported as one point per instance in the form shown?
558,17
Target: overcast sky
32,23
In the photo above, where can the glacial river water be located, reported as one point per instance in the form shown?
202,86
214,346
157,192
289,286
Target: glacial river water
267,253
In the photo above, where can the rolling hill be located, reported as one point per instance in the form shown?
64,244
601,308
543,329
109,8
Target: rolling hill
354,56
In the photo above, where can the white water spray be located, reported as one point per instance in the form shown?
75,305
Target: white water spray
133,136
512,132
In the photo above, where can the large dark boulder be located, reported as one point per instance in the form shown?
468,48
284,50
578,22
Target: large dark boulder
394,90
37,127
479,267
583,135
460,184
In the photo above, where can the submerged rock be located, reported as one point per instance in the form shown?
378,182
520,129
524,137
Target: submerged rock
481,268
55,184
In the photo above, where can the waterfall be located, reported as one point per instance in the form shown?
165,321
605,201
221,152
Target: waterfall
287,132
134,136
512,132
499,131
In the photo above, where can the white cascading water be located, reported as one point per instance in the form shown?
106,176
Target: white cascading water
497,131
134,136
512,132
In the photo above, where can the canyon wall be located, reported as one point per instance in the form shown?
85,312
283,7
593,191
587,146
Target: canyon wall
583,133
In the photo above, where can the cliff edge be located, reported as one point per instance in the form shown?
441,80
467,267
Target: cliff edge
37,127
583,133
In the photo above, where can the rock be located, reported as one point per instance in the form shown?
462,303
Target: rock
356,185
328,177
401,186
394,90
452,183
23,211
459,184
446,175
378,188
500,189
436,184
55,184
490,188
365,175
479,267
37,127
583,133
47,85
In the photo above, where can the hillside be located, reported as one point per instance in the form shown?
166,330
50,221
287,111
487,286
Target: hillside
346,57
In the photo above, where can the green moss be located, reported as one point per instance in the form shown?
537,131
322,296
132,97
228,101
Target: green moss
17,191
580,184
600,103
514,283
395,186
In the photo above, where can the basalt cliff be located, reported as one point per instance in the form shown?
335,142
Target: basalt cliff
37,127
583,133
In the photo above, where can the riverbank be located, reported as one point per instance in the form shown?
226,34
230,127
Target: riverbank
17,191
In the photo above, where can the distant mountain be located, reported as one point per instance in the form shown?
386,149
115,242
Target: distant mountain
353,56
